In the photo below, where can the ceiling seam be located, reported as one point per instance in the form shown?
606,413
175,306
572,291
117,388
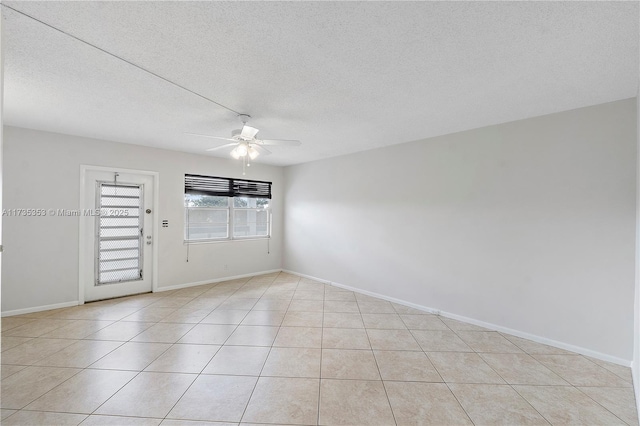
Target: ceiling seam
121,59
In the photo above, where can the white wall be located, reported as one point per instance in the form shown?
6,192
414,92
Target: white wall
42,170
528,225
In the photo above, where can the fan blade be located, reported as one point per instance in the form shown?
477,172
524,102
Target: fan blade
227,145
248,132
281,142
209,136
261,150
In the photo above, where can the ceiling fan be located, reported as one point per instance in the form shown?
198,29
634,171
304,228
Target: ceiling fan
245,143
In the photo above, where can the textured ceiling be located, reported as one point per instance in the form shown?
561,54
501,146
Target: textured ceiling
340,76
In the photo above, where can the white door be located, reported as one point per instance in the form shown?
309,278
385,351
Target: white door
118,241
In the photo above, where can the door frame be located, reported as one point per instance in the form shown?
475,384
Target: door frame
82,257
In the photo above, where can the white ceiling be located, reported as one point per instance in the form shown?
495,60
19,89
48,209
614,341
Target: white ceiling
340,76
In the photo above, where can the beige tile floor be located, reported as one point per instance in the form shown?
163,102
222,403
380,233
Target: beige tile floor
278,349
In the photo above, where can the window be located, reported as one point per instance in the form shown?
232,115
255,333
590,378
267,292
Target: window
221,208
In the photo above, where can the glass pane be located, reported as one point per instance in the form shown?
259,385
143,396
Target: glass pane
250,223
204,223
250,203
191,200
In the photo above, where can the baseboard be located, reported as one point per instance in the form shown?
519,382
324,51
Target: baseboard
490,326
215,280
635,376
39,308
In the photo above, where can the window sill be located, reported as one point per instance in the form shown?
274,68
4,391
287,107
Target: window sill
192,243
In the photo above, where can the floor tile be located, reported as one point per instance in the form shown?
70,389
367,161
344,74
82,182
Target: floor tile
349,364
98,420
9,342
407,310
169,422
425,404
150,314
171,302
456,325
342,320
208,334
187,316
310,330
238,303
306,306
375,307
8,370
272,305
522,369
238,360
204,303
345,338
406,366
299,337
354,402
283,401
42,418
423,322
620,401
26,385
148,395
77,330
225,317
463,367
34,350
121,331
264,318
37,328
488,341
619,370
184,358
134,356
344,296
163,333
383,321
9,323
84,392
531,347
349,307
440,341
496,405
253,335
81,354
308,295
302,319
565,405
215,398
293,362
390,340
579,371
4,413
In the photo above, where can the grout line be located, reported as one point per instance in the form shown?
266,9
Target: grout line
377,366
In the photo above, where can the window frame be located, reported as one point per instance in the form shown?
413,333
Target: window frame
231,212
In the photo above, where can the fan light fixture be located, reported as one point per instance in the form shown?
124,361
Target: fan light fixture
245,144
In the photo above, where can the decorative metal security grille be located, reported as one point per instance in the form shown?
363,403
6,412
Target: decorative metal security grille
119,231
